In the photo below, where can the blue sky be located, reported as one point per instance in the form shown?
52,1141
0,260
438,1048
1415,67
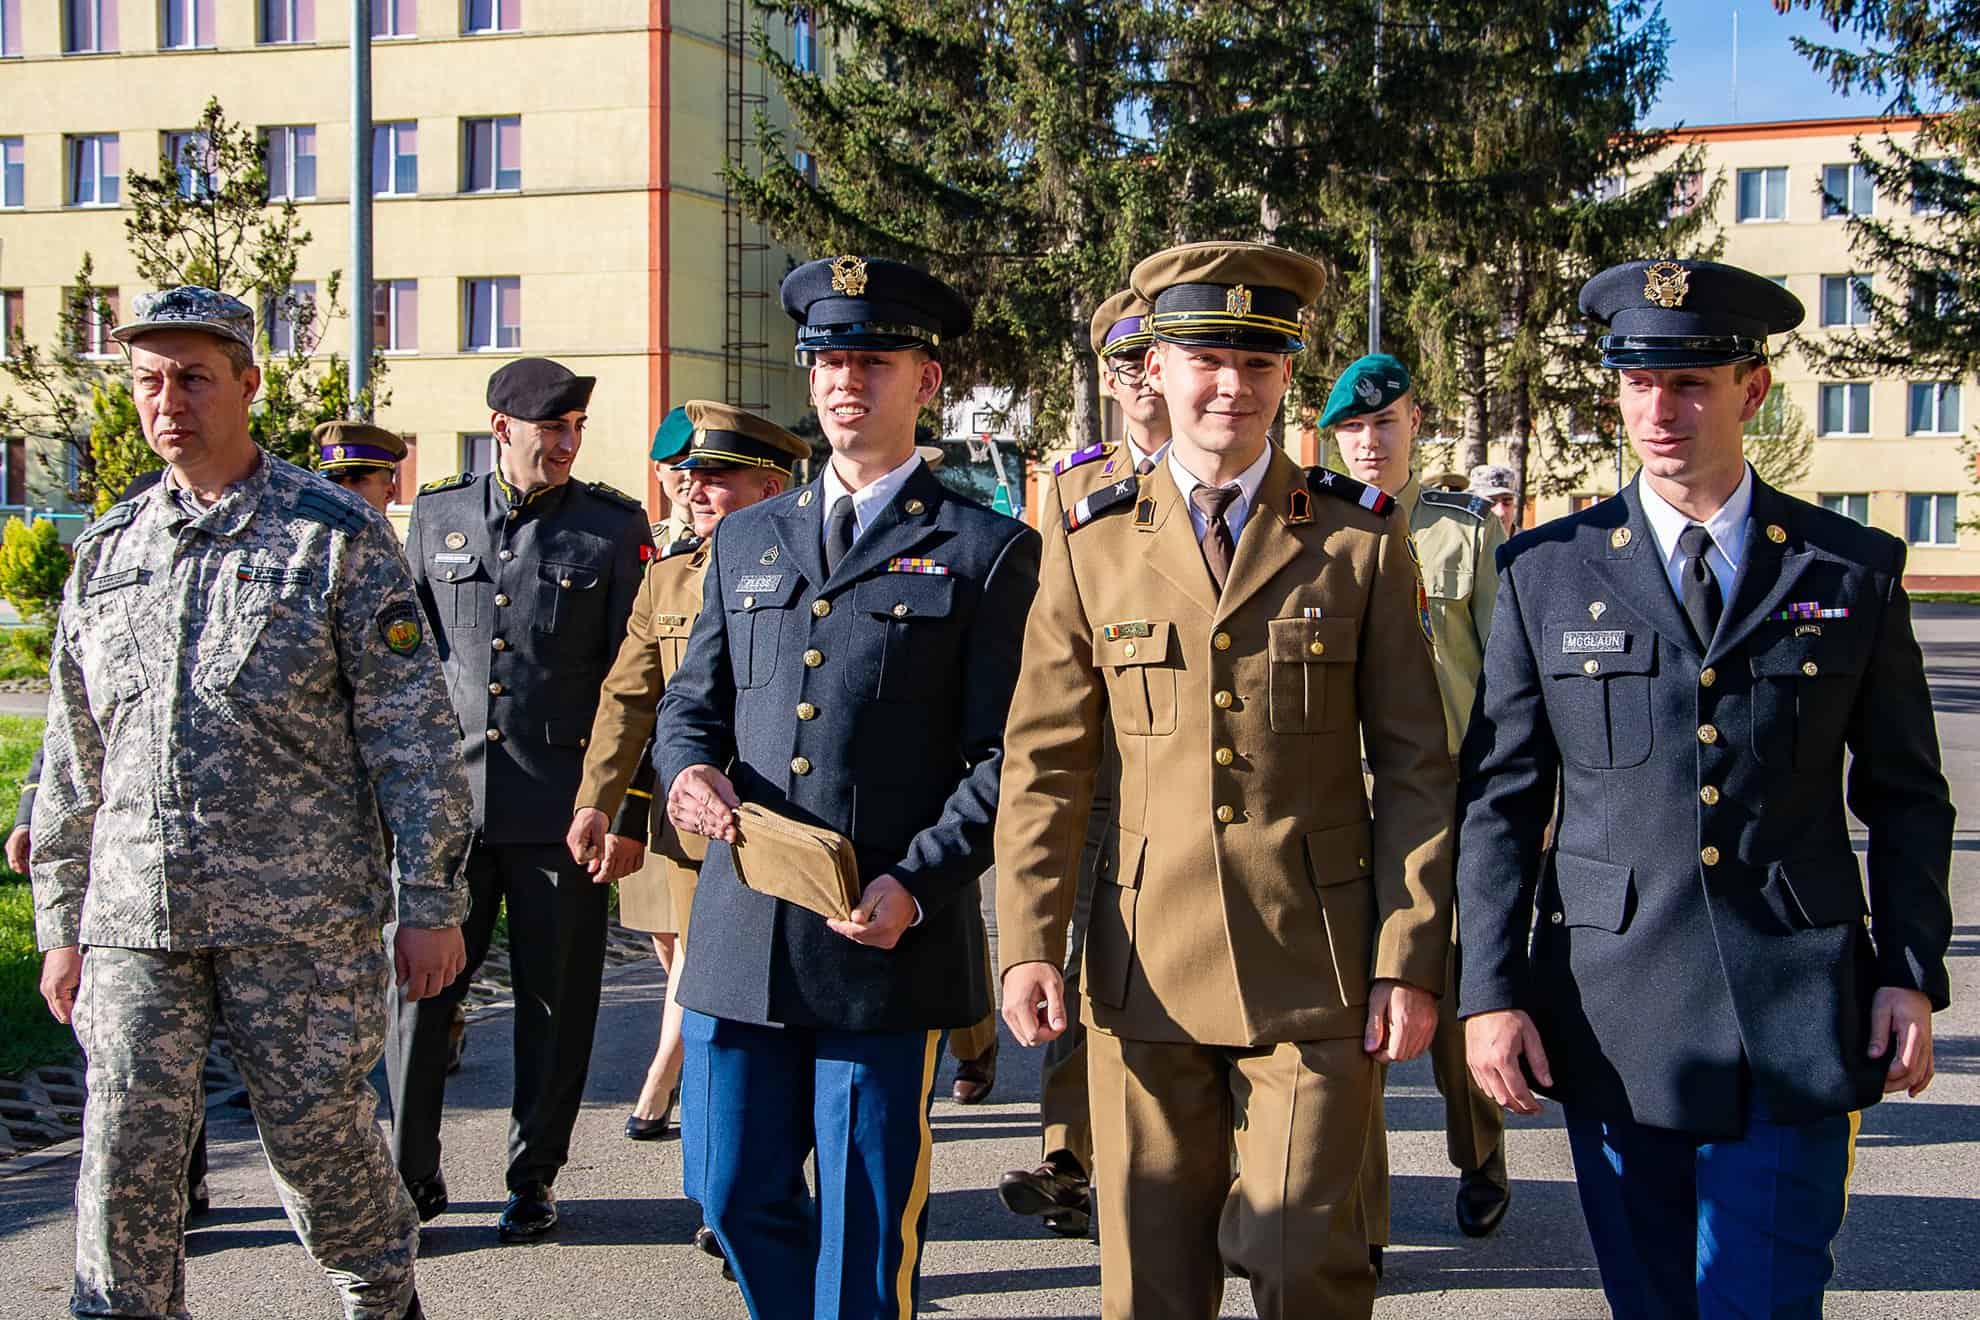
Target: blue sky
1775,82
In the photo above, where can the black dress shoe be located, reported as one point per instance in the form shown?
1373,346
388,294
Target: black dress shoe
531,1213
651,1129
198,1202
710,1245
975,1077
1482,1199
1056,1191
429,1196
1375,1259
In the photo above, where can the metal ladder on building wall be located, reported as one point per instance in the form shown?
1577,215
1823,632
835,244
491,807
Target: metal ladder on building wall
745,253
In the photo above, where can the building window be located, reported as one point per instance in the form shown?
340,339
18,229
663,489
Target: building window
1847,190
12,326
93,170
1846,409
1846,300
1934,408
13,478
285,22
395,159
1935,293
94,322
1686,192
1931,519
393,18
1935,185
10,27
478,453
492,314
405,477
1771,420
89,27
395,315
13,173
492,155
804,42
291,162
185,24
492,16
1856,507
806,165
1763,194
290,316
192,161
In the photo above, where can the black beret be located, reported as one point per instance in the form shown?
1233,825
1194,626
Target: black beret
537,390
1663,315
859,302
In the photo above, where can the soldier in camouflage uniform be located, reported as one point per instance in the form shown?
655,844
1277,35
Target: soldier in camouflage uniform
241,689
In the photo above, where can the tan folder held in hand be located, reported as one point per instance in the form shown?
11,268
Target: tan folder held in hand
808,865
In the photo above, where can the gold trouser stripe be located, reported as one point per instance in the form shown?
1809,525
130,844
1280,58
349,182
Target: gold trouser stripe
918,1194
639,792
1849,1165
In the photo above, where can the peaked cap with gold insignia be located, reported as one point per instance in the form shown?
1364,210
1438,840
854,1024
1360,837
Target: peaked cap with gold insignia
350,446
1229,295
728,437
1120,326
1663,315
872,303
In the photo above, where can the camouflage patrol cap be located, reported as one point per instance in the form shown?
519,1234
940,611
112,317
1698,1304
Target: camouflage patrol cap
728,437
1489,479
190,307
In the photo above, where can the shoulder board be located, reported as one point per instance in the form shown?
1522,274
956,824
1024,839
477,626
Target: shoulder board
1326,481
686,545
1086,455
615,495
322,507
1457,499
447,483
1102,501
117,515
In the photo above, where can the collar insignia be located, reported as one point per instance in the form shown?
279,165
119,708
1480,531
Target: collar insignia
769,556
1666,284
848,276
1299,508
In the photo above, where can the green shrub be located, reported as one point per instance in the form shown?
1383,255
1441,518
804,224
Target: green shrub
33,566
24,652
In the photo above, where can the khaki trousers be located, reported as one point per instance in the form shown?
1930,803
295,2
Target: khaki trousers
1165,1117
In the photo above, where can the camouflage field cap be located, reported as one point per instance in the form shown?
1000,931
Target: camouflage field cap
1489,479
190,307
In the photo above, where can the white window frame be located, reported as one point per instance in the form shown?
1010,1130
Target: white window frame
9,325
1856,299
73,43
291,10
1947,165
389,342
190,184
14,174
285,189
187,11
494,24
280,327
1943,391
1851,394
1847,503
392,132
494,285
389,10
78,146
97,343
1859,194
492,126
10,29
473,444
1935,534
1769,200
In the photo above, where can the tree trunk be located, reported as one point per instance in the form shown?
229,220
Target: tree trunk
1475,391
1083,410
1522,430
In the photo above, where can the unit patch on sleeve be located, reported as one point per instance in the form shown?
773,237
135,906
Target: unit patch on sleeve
398,624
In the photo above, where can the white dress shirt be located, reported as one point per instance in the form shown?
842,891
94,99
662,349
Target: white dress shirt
868,500
1727,528
1247,483
1137,455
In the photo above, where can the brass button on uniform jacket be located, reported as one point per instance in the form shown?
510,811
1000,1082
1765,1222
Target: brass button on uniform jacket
1247,897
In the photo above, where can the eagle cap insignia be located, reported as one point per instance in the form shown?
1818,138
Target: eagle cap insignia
1666,283
336,451
849,276
1237,300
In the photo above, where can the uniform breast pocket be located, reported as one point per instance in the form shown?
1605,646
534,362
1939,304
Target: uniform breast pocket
670,636
1312,681
267,646
569,598
112,661
758,606
1139,668
902,636
1598,694
457,578
1802,691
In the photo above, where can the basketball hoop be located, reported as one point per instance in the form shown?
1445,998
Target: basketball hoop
979,448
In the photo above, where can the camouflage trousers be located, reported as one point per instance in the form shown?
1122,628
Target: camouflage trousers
306,1022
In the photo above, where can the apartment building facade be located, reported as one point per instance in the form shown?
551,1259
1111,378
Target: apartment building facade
546,180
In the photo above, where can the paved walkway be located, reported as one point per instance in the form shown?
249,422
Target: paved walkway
1911,1245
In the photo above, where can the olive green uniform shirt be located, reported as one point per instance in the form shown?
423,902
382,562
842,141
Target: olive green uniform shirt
1457,536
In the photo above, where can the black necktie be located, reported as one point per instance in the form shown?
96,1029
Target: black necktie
838,533
1698,584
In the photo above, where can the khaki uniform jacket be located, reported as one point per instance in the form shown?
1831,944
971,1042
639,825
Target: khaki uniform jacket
1456,536
617,763
1245,897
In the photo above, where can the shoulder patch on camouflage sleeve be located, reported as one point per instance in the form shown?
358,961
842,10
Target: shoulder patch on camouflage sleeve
1326,481
1103,501
1459,500
322,507
117,515
398,624
615,495
459,479
1086,455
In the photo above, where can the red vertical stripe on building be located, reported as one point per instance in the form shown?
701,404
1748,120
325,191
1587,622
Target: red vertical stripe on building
658,116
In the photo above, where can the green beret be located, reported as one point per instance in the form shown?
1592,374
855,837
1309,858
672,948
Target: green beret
672,437
1369,385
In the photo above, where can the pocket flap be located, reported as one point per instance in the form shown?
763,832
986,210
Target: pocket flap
569,577
758,590
1807,657
1449,584
906,596
672,625
1827,887
455,565
1338,855
1313,641
1124,867
1592,893
1569,646
566,733
1142,642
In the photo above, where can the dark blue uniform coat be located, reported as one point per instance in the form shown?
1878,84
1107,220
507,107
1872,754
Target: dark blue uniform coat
910,675
1701,928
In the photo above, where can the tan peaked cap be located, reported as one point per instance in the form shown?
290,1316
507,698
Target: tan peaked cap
1256,265
1124,304
729,436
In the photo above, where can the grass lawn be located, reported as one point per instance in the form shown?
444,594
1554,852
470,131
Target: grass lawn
28,1036
1947,597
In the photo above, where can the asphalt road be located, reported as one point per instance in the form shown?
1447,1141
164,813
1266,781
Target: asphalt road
1911,1245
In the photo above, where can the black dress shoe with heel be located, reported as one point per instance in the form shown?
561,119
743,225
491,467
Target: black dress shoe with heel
1483,1196
652,1129
531,1213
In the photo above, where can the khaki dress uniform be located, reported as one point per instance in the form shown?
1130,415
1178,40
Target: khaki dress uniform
1456,536
1246,900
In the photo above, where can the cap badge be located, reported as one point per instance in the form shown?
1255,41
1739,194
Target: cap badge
336,451
455,540
1666,283
768,556
848,276
1237,300
1368,392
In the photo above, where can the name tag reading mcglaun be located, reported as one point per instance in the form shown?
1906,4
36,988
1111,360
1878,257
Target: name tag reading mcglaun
1595,641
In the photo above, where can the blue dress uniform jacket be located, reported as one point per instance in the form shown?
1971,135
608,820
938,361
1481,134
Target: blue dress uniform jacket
529,602
871,701
1702,939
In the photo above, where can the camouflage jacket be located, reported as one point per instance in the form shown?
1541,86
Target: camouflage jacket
243,703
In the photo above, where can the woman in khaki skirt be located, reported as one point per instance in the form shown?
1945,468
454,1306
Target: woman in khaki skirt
657,899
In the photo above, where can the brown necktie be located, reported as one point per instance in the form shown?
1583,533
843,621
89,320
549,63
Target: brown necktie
1216,541
1144,467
